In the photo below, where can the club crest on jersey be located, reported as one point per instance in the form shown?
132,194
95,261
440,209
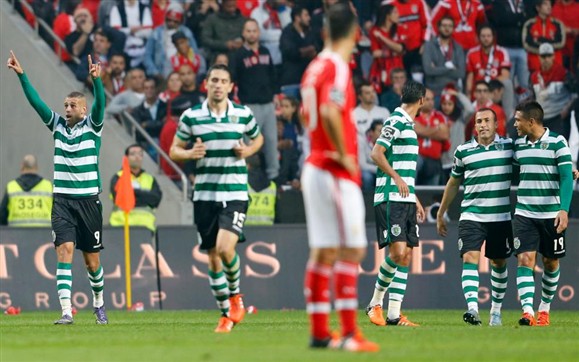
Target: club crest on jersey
234,119
500,147
517,243
395,230
544,145
460,244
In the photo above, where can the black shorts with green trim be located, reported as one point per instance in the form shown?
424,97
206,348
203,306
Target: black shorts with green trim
396,222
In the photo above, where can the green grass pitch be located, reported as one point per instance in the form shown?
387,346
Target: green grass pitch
279,336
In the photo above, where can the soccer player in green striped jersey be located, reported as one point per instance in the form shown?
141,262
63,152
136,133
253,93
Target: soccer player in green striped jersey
220,198
396,205
541,214
77,212
485,164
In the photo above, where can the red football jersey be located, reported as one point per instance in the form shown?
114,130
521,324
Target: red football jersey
468,15
487,66
428,147
328,80
414,15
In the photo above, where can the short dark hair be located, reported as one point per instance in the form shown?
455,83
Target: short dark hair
249,20
363,83
482,81
495,84
297,11
412,92
374,124
132,146
446,17
531,109
219,67
485,26
75,94
486,109
340,20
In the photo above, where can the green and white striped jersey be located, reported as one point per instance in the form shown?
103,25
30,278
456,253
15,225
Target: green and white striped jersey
399,139
538,196
487,172
76,156
76,149
220,175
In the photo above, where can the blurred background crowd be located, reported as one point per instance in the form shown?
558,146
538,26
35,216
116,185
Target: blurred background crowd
469,54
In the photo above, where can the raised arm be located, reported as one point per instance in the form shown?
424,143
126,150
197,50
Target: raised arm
38,104
98,107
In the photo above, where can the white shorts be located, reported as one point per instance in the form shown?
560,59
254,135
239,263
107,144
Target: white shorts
335,210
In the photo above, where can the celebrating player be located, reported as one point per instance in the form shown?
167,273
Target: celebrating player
543,201
77,212
331,185
220,198
396,205
485,164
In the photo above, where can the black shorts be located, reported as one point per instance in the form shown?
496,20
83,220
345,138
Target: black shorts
498,236
79,220
210,216
538,235
396,222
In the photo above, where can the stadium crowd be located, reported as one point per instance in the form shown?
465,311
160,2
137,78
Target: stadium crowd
469,54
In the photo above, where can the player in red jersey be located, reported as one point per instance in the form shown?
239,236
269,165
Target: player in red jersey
468,15
331,181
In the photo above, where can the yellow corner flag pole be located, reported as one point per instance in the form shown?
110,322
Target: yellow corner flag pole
128,262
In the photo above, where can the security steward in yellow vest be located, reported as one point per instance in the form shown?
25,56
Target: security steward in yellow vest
148,195
262,193
27,201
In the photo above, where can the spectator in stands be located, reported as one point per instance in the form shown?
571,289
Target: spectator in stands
497,92
161,47
443,59
62,26
172,91
132,97
486,61
271,17
482,98
166,138
414,20
298,47
222,30
78,42
387,46
147,192
468,16
150,114
289,142
196,15
133,18
253,72
114,74
567,12
508,18
367,165
430,150
27,200
104,11
458,109
247,6
551,85
543,29
186,55
262,193
101,49
391,98
367,110
189,91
